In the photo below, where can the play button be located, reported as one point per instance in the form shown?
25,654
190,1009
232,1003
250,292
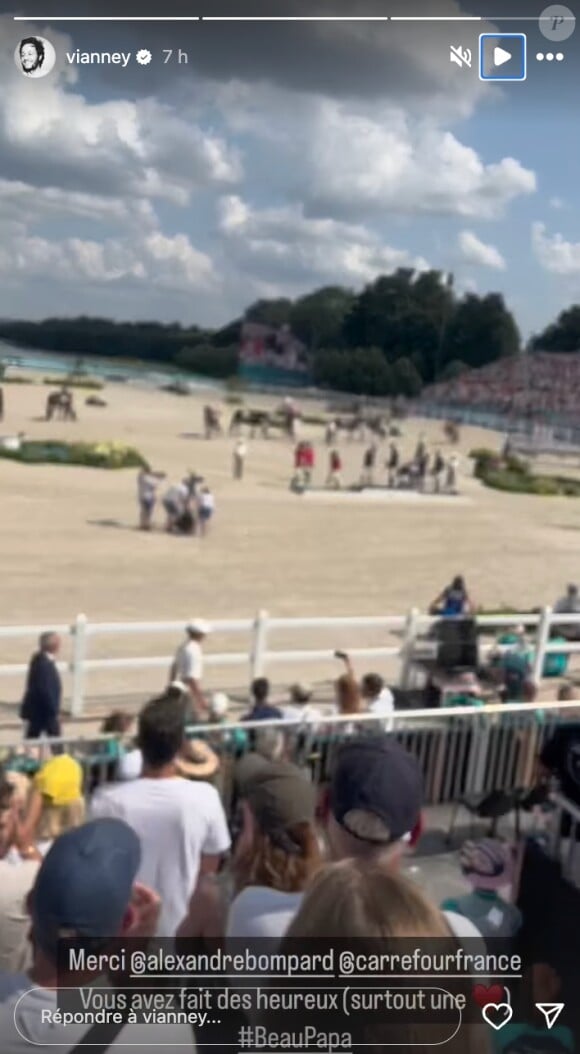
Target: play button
500,56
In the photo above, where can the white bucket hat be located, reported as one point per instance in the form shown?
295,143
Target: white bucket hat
199,625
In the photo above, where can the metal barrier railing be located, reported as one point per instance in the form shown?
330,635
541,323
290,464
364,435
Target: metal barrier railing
566,836
461,751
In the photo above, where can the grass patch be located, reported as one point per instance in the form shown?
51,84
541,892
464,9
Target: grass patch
17,380
90,383
514,476
92,455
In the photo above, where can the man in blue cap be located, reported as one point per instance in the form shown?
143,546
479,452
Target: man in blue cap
85,892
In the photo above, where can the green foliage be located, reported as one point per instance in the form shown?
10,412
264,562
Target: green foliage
83,337
363,371
18,380
563,335
274,313
318,318
453,370
481,330
406,378
93,455
208,361
482,453
514,475
403,331
75,381
403,314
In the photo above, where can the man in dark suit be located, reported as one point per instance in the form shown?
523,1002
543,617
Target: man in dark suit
41,703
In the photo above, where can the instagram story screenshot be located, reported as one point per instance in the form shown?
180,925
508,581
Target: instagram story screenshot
290,526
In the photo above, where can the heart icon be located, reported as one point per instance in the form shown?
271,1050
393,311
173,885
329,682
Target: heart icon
494,994
497,1014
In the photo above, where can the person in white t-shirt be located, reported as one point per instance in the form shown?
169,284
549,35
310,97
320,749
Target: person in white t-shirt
181,823
147,484
85,890
379,698
187,666
300,706
239,459
206,509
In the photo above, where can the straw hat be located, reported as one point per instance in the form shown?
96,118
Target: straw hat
197,760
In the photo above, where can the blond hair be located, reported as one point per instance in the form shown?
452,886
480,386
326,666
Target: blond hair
57,819
364,899
370,907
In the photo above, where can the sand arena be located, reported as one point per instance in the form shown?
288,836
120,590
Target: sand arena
68,541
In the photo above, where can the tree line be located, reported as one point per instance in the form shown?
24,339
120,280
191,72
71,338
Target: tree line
402,332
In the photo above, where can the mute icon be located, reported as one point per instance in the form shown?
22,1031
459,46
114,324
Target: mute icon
551,1012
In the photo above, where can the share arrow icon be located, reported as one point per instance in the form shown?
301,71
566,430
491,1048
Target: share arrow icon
551,1012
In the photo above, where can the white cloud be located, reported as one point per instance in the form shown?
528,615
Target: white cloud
363,163
351,158
118,147
557,203
554,253
479,253
284,244
152,260
21,202
104,200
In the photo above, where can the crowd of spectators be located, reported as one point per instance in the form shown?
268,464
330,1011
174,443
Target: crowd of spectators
156,855
536,384
151,849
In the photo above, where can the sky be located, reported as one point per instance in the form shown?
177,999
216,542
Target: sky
281,158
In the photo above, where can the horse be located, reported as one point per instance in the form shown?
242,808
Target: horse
60,405
355,427
256,420
376,426
451,432
212,422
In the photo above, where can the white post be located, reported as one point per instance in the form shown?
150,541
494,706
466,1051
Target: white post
258,660
407,647
79,634
542,639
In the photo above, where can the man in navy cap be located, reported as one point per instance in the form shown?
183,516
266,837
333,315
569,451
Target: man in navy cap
374,806
374,801
85,892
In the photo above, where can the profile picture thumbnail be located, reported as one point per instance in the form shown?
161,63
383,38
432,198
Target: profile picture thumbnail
35,57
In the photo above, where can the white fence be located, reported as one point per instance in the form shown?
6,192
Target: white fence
258,656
